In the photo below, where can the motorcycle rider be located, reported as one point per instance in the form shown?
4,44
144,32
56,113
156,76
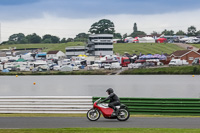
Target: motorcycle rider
114,101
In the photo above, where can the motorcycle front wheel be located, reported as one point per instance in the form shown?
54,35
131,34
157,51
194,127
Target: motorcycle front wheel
93,114
123,115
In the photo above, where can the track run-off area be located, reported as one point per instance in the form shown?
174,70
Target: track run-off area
83,122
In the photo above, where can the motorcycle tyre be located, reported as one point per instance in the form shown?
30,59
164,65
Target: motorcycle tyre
96,118
118,118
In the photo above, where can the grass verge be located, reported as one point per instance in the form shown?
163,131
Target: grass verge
97,72
165,70
101,130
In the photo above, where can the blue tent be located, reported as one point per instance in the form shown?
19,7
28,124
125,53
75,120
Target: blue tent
5,71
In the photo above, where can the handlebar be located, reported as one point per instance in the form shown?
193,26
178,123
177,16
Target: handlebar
97,100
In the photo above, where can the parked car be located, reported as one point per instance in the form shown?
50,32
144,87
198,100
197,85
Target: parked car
34,69
115,65
196,61
51,66
66,68
56,68
95,67
136,65
107,66
25,69
75,68
11,68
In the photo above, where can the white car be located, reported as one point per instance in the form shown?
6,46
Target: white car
136,65
75,68
56,68
25,69
107,66
115,65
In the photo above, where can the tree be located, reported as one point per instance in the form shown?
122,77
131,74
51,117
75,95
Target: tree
117,36
180,32
63,40
24,41
16,38
154,33
47,40
47,36
125,36
198,33
191,31
135,27
33,38
55,39
104,26
70,40
135,34
168,32
82,37
50,39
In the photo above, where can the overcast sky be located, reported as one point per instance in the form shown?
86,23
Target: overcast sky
67,18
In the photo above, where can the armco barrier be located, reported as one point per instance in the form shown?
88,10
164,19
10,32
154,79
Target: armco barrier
176,106
45,104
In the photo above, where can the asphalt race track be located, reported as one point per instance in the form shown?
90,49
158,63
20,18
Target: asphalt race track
65,122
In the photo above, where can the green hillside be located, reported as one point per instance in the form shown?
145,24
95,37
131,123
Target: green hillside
196,45
47,47
120,48
154,48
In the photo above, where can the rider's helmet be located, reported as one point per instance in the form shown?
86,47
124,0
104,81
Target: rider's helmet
109,90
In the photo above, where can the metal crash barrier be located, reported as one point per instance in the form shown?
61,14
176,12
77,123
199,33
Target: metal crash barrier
45,104
170,106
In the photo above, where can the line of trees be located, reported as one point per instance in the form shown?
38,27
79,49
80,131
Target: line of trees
191,31
103,26
20,38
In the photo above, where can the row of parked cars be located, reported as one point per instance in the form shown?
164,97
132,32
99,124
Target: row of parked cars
106,66
144,64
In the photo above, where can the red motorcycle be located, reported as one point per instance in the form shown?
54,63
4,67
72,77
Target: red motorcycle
102,108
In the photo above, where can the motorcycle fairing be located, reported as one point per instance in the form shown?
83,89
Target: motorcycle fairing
106,111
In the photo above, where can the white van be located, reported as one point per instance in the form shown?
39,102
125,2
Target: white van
178,62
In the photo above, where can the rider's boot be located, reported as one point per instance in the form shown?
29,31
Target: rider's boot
117,111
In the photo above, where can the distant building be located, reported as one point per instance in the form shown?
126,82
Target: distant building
75,51
2,54
100,45
188,55
55,55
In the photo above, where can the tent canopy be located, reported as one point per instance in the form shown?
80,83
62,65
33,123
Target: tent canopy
20,60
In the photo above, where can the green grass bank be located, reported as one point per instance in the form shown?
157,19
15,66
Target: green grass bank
144,48
196,45
46,47
164,70
97,72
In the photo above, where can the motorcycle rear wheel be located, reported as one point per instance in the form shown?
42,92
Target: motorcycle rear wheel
123,115
93,114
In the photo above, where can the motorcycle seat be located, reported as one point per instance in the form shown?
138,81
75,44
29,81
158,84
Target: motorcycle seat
122,106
